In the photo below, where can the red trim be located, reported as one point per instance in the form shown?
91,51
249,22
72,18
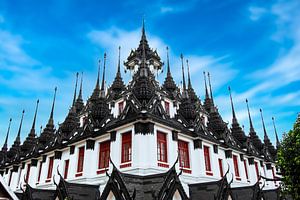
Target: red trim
78,174
236,167
165,165
256,169
188,171
125,165
209,173
238,178
67,162
48,180
246,170
80,159
207,159
50,167
221,167
167,107
183,149
104,152
101,171
28,172
40,170
162,152
126,147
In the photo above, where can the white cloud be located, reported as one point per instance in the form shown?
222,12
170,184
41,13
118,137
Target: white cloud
256,12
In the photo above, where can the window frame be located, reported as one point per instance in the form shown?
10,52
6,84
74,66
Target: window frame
246,169
126,158
40,172
50,168
162,147
207,160
80,161
220,161
256,169
27,172
104,147
184,156
66,168
236,167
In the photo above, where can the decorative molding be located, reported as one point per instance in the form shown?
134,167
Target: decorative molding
144,128
72,149
57,155
34,162
269,166
197,144
44,158
90,144
23,165
174,135
228,153
113,135
215,148
15,168
242,157
251,161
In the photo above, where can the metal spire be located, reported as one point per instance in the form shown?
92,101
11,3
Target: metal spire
189,78
98,76
32,131
211,94
75,91
103,75
206,91
183,77
277,139
168,63
18,139
263,123
234,120
250,120
80,89
4,148
50,122
119,62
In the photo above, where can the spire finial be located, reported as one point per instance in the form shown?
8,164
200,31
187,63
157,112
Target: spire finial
143,28
232,107
250,120
263,123
98,76
211,94
32,132
75,90
189,78
119,61
4,148
183,77
103,75
18,139
276,135
168,62
80,89
52,109
206,91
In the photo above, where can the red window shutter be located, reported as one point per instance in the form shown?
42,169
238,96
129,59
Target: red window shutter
183,148
50,167
167,107
28,172
236,166
256,169
66,169
104,152
121,107
207,158
221,167
246,169
40,171
162,154
126,147
80,159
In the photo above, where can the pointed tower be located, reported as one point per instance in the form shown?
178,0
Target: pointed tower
184,89
191,92
75,90
30,141
117,86
79,101
96,92
276,135
169,84
236,129
207,100
48,133
252,134
267,143
4,148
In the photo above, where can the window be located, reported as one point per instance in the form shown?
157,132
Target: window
50,168
183,149
80,160
256,169
167,107
104,151
236,167
221,167
162,154
66,169
28,172
121,107
126,147
207,160
40,171
246,169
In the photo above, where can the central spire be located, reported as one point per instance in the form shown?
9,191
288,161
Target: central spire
75,90
183,77
102,93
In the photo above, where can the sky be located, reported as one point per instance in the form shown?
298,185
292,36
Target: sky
251,46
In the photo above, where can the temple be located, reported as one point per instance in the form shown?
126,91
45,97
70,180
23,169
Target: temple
141,140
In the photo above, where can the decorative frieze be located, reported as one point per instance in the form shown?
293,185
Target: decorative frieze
57,155
197,144
144,128
113,135
90,144
174,135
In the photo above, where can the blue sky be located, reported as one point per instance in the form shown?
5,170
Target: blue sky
253,46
